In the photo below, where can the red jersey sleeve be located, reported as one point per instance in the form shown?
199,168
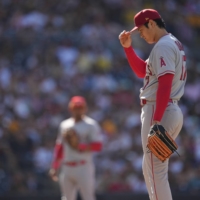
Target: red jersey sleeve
137,64
163,95
57,155
94,146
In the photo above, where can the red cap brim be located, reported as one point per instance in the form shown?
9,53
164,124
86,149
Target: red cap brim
134,29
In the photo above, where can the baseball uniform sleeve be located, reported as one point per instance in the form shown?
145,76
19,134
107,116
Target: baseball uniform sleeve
58,152
163,95
95,133
95,139
59,139
137,64
163,60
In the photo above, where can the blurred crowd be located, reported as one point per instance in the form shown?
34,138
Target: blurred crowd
51,50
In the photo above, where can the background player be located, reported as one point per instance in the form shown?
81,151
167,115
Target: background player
164,76
78,137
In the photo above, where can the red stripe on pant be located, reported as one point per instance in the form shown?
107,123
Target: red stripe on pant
154,185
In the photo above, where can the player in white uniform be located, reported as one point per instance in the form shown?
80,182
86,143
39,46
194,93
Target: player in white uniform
77,171
164,74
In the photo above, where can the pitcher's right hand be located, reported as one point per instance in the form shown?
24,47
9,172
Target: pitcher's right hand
125,39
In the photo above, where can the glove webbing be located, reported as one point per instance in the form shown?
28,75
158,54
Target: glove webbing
168,139
161,144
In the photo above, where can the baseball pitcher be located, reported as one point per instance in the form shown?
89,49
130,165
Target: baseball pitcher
164,74
78,137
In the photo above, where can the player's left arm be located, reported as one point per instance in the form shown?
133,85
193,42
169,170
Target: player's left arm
95,143
164,60
162,96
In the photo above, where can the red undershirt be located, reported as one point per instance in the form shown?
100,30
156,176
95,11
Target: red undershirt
164,82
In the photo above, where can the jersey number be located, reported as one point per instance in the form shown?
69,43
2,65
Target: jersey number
183,72
147,77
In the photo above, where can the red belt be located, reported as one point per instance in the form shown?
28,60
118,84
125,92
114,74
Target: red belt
75,163
144,101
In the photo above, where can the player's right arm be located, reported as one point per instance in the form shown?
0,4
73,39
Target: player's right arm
57,158
137,64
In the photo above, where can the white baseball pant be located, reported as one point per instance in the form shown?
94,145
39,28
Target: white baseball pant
155,172
77,178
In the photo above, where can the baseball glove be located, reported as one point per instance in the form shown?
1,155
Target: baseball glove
72,139
160,143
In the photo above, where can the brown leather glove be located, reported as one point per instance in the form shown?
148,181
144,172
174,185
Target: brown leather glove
160,143
72,139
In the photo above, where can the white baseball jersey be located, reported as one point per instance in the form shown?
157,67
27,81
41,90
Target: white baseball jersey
87,130
167,56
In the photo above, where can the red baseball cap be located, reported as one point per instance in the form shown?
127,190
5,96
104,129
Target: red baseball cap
77,101
144,16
